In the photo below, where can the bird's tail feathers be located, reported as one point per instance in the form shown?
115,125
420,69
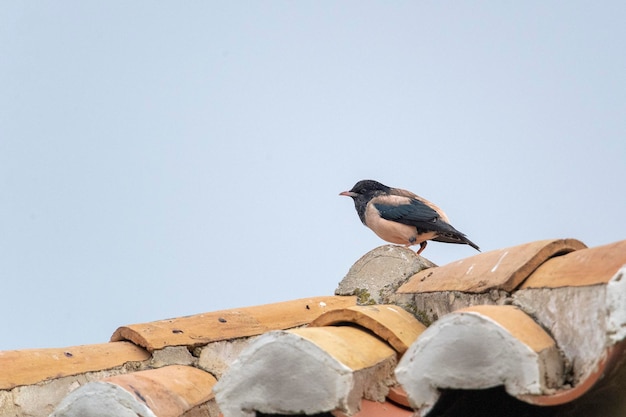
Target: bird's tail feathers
456,238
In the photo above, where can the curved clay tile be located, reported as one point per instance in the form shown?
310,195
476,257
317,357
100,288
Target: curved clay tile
31,366
307,371
378,409
201,329
597,265
480,347
503,269
587,322
165,392
389,322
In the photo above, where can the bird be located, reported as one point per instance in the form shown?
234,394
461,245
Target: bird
401,217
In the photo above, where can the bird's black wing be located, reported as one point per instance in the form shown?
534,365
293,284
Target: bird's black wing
413,213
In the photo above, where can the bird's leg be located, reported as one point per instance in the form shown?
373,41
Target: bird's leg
422,247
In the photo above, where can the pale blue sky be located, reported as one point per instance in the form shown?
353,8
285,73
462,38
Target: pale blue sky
164,159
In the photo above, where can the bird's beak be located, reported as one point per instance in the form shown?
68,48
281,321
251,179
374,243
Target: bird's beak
348,194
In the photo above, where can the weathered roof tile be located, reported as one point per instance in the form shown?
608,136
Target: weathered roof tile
164,392
377,274
205,328
30,366
307,370
378,409
168,391
590,266
503,269
352,347
477,348
389,322
517,323
586,321
345,358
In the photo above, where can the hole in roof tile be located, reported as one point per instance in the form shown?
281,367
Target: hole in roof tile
222,320
177,331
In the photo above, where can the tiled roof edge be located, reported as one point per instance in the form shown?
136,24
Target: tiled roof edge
31,366
503,269
201,329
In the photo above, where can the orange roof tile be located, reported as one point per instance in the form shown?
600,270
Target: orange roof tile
610,364
353,347
398,395
204,328
477,348
307,371
389,322
584,267
586,321
502,269
378,409
171,391
347,354
518,323
30,366
168,391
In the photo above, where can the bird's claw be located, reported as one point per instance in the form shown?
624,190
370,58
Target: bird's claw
422,247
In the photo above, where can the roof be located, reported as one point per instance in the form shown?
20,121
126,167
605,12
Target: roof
535,329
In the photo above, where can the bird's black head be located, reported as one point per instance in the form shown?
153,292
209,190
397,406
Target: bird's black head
362,192
366,187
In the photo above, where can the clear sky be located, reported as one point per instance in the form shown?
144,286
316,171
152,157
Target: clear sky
161,159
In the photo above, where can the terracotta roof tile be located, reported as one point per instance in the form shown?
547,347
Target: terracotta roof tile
584,267
307,370
389,322
205,328
586,321
398,395
478,348
580,401
562,344
354,348
30,366
168,391
499,269
165,392
516,322
378,409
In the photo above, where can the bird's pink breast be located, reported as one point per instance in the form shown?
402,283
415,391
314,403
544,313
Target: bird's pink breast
394,232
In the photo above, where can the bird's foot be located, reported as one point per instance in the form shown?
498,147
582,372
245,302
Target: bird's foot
422,247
